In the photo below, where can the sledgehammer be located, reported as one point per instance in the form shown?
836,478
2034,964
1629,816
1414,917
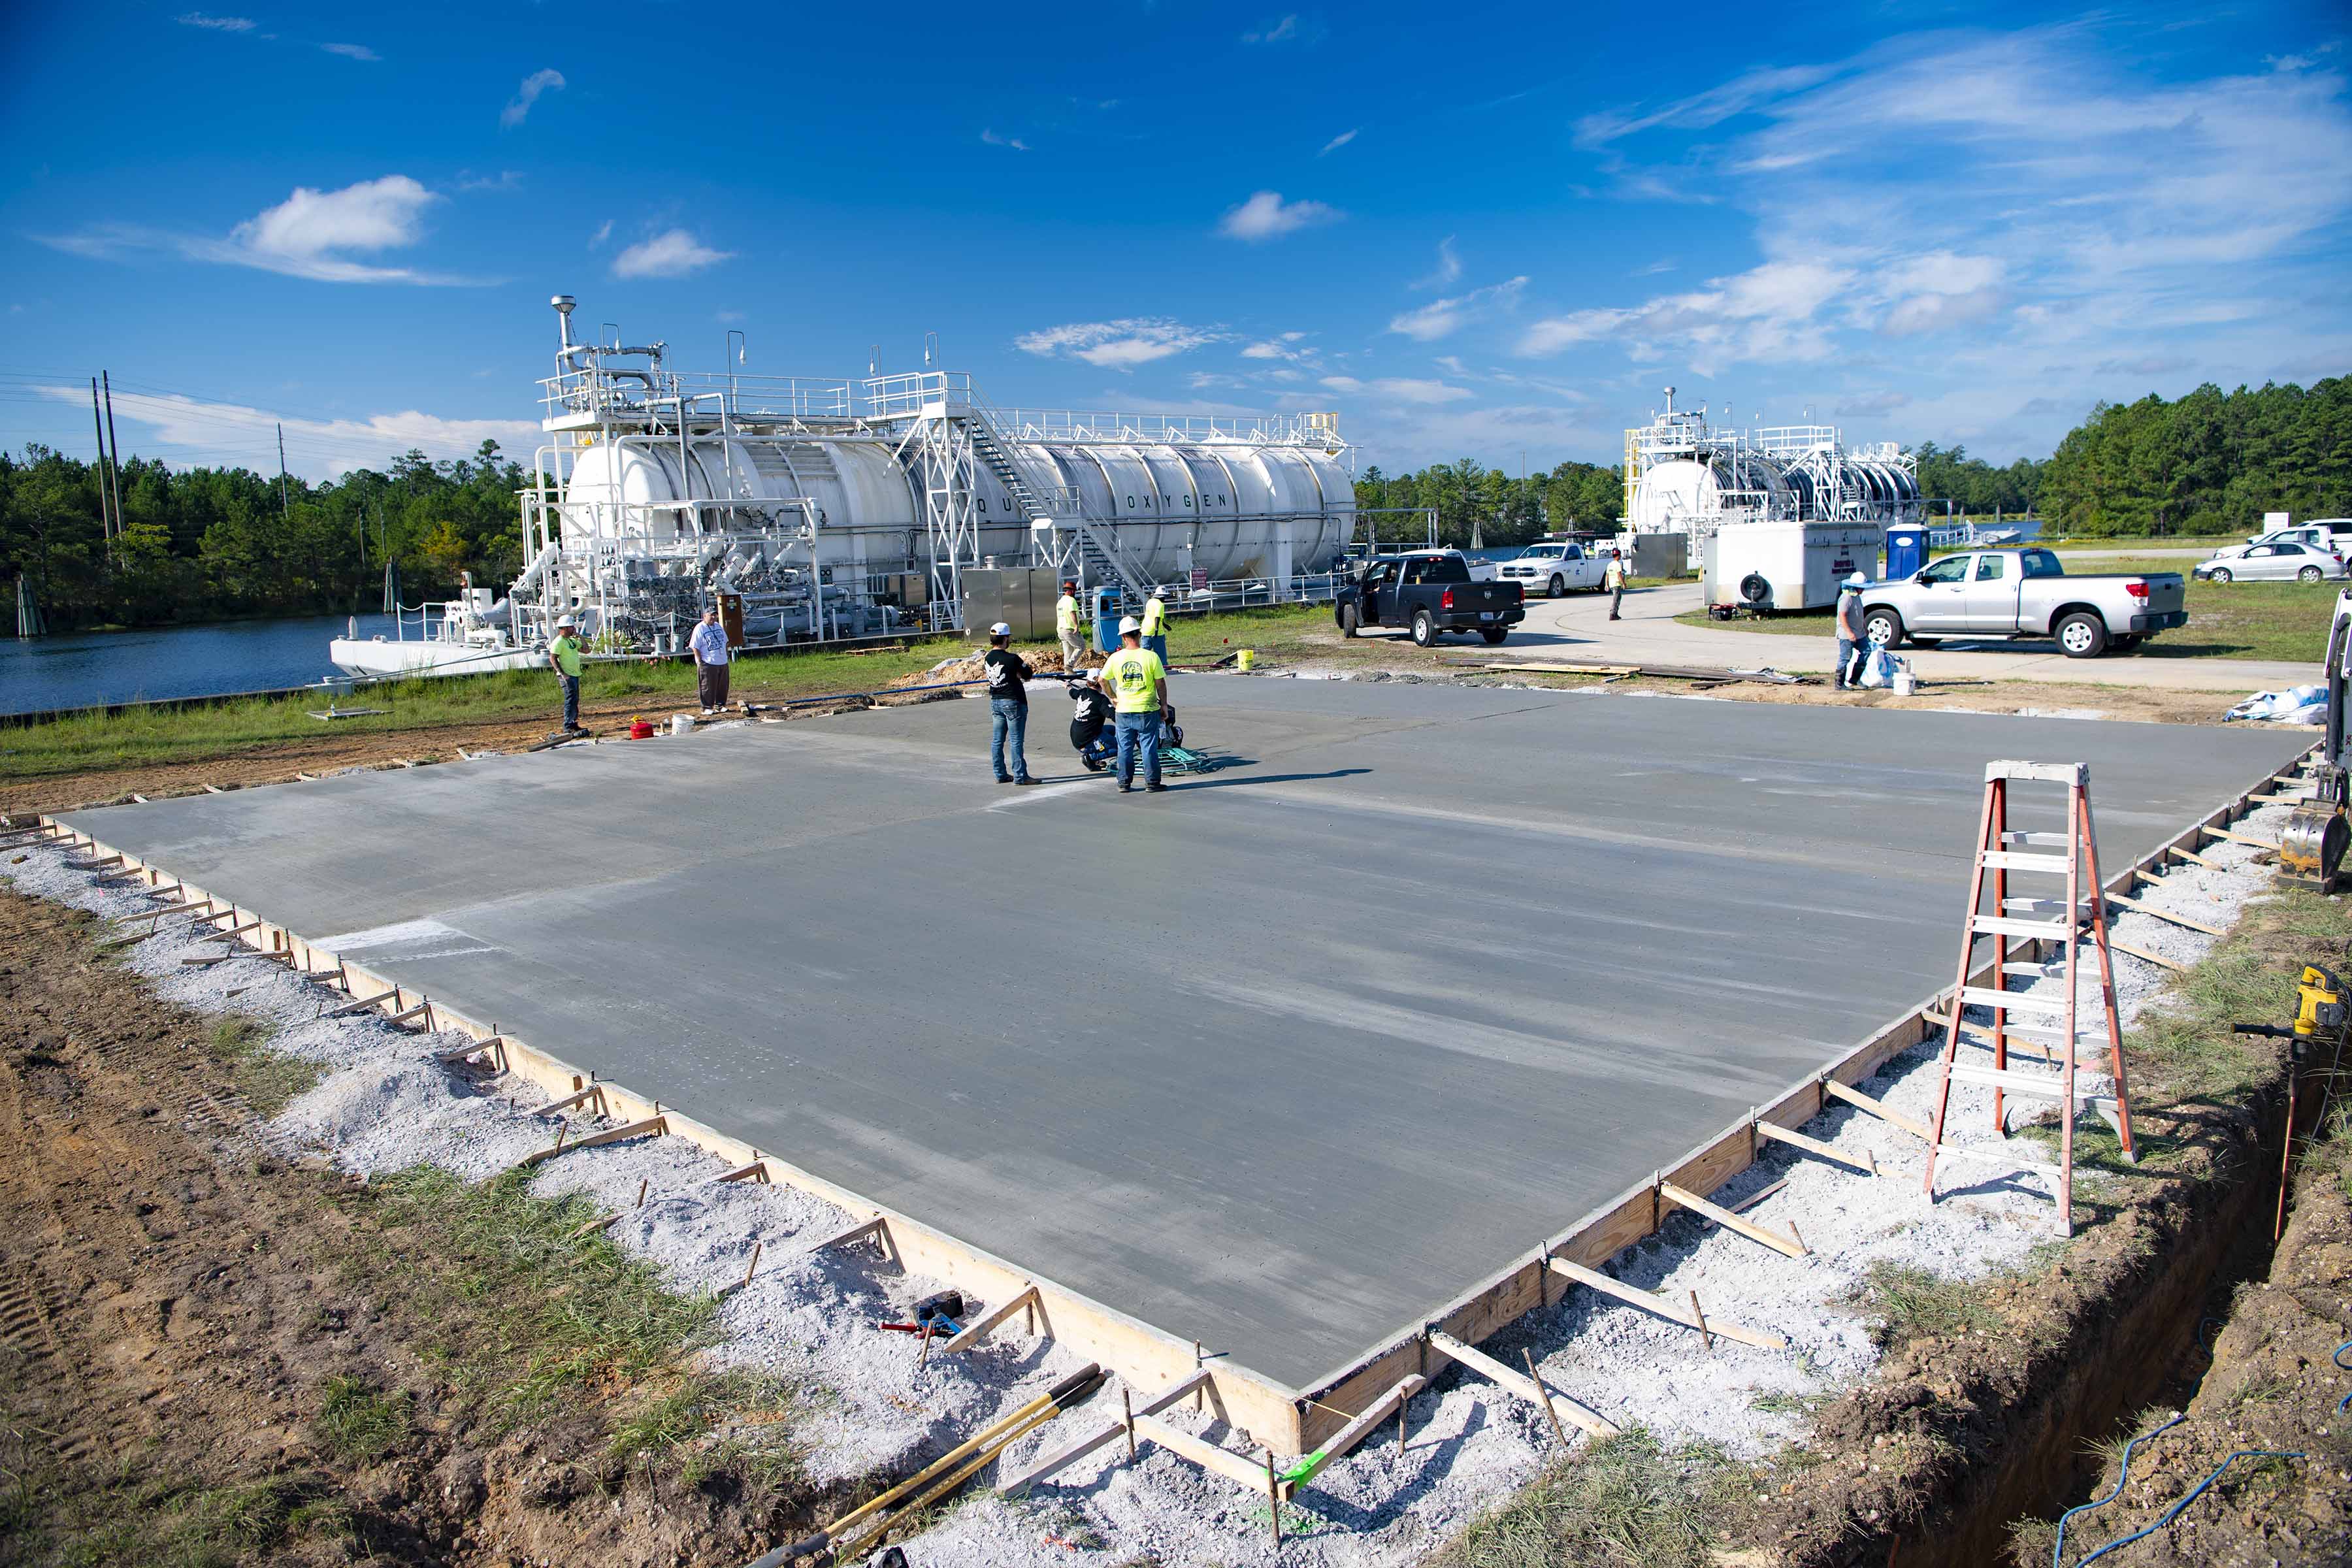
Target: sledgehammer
858,1529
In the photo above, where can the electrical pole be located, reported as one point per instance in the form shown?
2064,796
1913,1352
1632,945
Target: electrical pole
115,448
97,428
285,507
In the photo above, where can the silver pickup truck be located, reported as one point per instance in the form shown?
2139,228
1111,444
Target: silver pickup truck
2022,593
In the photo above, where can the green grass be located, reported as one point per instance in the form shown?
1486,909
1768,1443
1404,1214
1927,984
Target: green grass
2281,621
265,1079
1625,1500
708,1423
515,1311
1906,1303
357,1422
166,1523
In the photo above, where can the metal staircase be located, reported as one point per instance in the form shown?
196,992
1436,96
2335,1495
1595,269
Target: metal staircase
1101,559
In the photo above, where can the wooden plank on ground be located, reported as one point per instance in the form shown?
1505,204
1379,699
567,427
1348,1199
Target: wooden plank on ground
1061,1459
1344,1440
1664,1306
1865,1161
981,1329
2144,907
366,1003
2140,953
611,1135
1732,1222
1521,1385
2234,836
1202,1452
1878,1108
877,1228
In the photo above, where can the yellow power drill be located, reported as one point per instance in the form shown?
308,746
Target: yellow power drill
2319,1012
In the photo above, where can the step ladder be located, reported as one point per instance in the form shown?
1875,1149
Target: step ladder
2053,1036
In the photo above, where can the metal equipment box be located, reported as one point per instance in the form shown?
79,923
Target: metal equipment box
1788,565
1022,597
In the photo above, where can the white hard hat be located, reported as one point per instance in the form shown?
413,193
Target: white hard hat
566,623
1129,624
1856,581
1001,629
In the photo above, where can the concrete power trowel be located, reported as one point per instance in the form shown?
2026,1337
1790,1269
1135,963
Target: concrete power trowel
2311,850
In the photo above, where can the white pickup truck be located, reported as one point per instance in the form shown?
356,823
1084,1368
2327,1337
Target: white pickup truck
1553,568
2022,593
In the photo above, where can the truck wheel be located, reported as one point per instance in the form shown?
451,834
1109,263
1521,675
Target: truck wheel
2218,575
1425,629
2308,574
2082,636
1350,620
1883,629
1560,586
1492,634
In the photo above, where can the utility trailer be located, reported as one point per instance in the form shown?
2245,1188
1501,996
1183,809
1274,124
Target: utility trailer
1761,566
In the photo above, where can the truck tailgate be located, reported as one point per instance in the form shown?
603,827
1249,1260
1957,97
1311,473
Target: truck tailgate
2165,591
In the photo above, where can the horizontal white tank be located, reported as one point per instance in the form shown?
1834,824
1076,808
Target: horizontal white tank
1212,506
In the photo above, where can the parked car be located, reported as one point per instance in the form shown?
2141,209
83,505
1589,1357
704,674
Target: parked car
1554,568
2271,563
2332,534
1429,591
2023,593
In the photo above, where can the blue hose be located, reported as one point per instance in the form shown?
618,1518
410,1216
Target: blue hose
2339,1359
2174,1511
2058,1551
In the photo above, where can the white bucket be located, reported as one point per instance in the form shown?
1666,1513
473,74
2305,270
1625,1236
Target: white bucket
1906,683
681,723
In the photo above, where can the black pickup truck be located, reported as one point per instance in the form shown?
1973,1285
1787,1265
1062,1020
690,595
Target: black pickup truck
1432,593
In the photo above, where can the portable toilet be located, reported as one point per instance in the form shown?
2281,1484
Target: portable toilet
1906,552
1107,617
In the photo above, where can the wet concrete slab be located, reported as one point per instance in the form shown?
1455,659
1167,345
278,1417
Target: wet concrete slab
1282,1059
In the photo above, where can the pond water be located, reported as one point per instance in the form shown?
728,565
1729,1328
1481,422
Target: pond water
83,670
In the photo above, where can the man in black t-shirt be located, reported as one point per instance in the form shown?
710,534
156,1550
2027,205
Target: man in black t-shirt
1008,705
1089,723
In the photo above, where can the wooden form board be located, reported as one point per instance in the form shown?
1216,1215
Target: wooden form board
1288,1420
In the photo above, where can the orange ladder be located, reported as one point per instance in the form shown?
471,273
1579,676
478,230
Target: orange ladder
2004,852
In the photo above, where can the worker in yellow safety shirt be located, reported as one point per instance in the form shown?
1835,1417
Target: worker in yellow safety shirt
563,658
1137,684
1067,626
1155,625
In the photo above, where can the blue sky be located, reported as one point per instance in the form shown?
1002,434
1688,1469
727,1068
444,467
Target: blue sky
1476,230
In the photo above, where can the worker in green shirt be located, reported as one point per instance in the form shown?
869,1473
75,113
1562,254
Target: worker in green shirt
1137,684
563,658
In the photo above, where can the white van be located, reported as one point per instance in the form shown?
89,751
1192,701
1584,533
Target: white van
2332,534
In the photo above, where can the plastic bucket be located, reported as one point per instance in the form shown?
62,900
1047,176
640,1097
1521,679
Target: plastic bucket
681,723
1245,659
1906,683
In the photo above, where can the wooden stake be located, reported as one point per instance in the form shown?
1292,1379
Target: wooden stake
1549,1413
643,1183
1273,1498
1126,1403
1699,1318
754,1266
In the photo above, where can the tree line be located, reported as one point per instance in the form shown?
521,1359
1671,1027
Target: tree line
217,543
211,543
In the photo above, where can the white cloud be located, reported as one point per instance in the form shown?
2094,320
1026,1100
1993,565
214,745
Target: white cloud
504,180
317,448
603,232
1278,347
1442,318
1118,345
1767,312
1288,29
533,86
993,140
217,24
673,253
1341,384
1266,216
1449,266
1338,142
311,234
1404,389
351,51
1451,364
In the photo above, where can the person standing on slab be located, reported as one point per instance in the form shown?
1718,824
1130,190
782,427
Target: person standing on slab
1137,684
1155,627
1852,648
563,658
711,660
1613,579
1008,705
1070,628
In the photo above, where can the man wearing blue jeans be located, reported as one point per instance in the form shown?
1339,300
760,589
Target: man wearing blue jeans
1008,705
1853,646
1137,682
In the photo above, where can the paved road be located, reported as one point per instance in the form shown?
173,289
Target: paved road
1578,628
